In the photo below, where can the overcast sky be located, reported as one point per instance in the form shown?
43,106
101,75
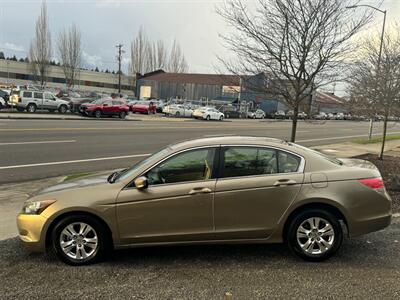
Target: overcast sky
104,23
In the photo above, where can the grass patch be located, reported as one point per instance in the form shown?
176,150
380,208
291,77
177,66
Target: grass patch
75,176
376,140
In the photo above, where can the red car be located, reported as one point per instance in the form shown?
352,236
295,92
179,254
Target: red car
105,107
144,108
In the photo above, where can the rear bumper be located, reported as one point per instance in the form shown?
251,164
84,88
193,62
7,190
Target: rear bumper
370,225
31,233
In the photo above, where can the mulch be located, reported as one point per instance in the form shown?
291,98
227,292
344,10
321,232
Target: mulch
389,168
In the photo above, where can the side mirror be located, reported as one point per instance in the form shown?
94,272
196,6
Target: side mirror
141,183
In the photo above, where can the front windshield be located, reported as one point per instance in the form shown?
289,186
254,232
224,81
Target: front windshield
132,170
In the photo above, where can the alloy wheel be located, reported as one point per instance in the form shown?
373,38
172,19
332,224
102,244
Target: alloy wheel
79,241
315,236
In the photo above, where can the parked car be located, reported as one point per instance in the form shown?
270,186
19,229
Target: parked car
105,107
300,115
256,114
5,96
339,116
177,110
201,192
31,100
208,113
321,116
233,114
280,114
147,108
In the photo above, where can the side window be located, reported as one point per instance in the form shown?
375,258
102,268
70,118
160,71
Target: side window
247,161
38,95
194,165
108,103
116,103
288,163
27,94
49,96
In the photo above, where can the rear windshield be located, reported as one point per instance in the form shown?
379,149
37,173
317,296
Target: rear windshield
326,157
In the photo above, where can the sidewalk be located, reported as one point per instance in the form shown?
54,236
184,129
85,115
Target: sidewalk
349,149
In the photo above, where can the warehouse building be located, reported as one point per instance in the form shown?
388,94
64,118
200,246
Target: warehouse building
162,85
19,73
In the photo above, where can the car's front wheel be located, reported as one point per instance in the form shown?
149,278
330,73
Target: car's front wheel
122,114
98,114
314,235
79,240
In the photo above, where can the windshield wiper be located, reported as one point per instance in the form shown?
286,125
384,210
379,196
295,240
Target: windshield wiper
115,175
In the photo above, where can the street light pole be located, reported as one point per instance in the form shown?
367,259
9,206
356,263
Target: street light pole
378,70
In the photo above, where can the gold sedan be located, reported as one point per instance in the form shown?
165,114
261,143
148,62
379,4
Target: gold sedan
212,190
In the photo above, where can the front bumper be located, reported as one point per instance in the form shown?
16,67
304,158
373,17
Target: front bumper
31,231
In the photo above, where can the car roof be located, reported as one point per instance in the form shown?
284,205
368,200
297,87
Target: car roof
230,139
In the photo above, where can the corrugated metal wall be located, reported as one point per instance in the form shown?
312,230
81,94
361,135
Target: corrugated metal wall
192,91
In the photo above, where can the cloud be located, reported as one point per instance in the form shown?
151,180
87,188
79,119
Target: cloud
13,47
92,60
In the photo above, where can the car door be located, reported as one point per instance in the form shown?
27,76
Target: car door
256,186
177,205
38,99
49,101
108,108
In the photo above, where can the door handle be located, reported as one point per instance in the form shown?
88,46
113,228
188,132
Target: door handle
199,191
283,182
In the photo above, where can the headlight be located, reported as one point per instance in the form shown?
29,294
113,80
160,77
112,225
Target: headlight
36,207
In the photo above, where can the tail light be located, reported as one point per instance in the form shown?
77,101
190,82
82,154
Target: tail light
373,183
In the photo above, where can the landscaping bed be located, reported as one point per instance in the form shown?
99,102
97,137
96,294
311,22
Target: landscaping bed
389,168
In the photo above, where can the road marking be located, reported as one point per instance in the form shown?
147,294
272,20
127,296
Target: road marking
39,142
342,137
72,161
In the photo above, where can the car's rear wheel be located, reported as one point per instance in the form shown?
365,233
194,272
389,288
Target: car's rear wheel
122,114
314,235
79,240
221,118
177,114
98,114
208,118
31,108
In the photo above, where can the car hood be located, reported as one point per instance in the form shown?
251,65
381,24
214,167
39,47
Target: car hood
73,184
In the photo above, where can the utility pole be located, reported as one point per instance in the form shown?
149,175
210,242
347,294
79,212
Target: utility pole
119,57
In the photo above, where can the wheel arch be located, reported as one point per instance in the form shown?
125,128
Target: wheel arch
73,213
314,205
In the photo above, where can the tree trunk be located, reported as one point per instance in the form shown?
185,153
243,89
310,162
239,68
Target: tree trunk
294,124
384,136
371,124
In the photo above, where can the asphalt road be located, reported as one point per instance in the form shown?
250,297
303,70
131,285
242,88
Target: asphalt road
365,268
34,149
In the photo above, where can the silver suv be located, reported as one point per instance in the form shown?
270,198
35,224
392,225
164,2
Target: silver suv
30,101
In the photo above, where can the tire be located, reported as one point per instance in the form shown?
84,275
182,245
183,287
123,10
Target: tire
31,108
95,248
62,109
208,118
254,117
122,114
98,114
298,239
221,118
177,114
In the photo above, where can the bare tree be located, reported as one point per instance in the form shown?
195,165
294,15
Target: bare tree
40,48
299,45
139,53
177,62
70,52
376,87
148,56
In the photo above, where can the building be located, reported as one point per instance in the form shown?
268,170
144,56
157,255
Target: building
163,85
19,73
328,103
